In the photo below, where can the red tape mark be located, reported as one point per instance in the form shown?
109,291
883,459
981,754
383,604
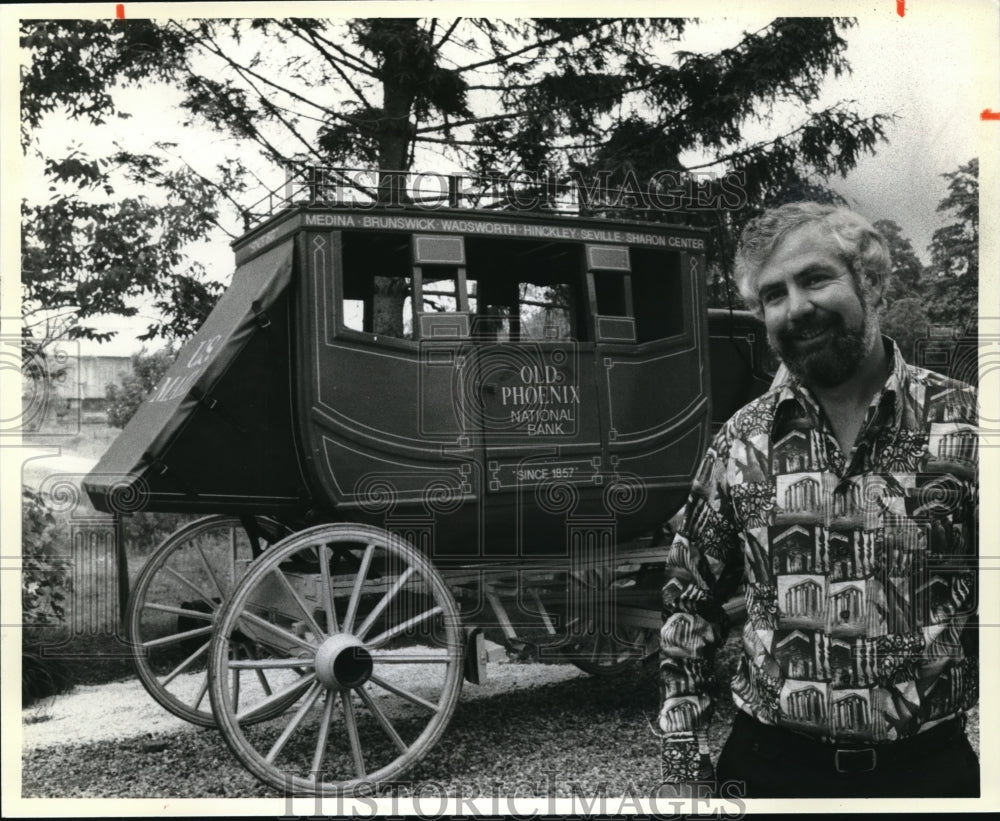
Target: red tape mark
989,114
901,8
120,11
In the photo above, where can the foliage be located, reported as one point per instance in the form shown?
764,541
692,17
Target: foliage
933,310
907,269
82,257
590,96
45,575
41,677
125,397
952,286
906,322
87,251
145,529
76,64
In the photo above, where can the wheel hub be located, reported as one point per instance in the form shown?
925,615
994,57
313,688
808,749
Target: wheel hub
343,662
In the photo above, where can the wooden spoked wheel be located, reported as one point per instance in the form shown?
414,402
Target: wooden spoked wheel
173,606
376,636
599,642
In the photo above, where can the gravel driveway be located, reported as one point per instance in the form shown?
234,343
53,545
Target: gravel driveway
530,729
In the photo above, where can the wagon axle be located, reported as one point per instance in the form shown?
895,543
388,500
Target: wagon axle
343,661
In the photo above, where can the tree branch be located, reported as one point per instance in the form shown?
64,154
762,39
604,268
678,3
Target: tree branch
335,64
214,49
446,36
525,112
360,65
503,58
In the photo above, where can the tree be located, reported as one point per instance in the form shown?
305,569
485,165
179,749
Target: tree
611,100
86,251
83,258
906,322
952,292
907,269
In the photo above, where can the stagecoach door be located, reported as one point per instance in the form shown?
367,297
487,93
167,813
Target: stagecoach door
383,368
535,390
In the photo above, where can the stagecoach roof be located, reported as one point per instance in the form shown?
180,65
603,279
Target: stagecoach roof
513,224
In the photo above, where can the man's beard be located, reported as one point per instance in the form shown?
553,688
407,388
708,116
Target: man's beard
837,360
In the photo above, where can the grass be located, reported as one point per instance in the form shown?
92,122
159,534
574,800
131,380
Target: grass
88,441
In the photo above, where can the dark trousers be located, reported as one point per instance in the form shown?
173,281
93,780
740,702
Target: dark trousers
772,762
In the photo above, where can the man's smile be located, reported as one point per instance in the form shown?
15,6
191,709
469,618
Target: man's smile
808,335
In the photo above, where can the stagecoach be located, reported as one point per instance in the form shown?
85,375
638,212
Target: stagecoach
417,435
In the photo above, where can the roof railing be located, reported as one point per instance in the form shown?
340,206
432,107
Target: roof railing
665,197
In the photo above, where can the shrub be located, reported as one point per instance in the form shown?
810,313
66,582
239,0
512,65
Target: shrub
45,582
41,677
146,529
125,397
45,578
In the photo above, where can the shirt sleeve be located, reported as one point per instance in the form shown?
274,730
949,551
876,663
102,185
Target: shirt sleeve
703,568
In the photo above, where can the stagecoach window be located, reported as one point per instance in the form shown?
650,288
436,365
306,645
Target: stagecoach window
609,287
377,284
525,289
439,294
546,311
657,294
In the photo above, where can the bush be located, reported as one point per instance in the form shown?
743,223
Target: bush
45,578
45,583
125,397
41,677
146,529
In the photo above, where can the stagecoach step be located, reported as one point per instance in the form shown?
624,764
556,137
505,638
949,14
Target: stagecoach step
480,651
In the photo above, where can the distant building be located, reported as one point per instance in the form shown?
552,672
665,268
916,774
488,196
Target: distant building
76,393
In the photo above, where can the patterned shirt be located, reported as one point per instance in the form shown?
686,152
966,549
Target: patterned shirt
859,569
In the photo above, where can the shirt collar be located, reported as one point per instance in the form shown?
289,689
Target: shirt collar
795,400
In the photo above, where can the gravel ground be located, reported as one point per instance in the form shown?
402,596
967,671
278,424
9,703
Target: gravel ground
511,730
81,716
531,729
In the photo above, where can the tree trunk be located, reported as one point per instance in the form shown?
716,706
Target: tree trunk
388,300
396,131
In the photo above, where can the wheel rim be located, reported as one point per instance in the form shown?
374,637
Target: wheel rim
173,606
376,636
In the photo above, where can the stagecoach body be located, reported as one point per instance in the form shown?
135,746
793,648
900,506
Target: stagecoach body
409,426
493,380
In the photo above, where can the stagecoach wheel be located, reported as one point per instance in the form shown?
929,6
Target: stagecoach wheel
600,644
376,634
174,602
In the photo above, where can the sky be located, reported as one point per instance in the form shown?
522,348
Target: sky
935,68
931,71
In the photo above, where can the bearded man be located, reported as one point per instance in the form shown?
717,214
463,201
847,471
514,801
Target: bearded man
844,501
